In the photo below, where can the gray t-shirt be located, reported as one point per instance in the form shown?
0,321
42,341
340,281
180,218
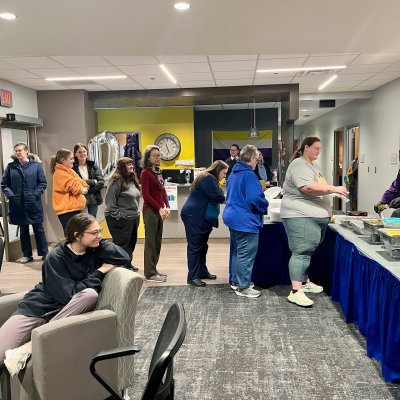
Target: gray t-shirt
122,204
297,204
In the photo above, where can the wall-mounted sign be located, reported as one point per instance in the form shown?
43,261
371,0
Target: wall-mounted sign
5,98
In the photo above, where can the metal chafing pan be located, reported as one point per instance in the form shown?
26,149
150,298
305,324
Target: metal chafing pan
358,227
371,227
391,241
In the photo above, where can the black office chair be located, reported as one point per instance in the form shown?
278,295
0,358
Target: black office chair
169,341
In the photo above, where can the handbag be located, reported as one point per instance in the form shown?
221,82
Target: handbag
212,212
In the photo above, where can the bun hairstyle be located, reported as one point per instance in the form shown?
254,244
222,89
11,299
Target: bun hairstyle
308,141
77,225
60,156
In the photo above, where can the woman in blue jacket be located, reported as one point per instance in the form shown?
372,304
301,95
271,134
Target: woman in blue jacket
243,214
199,215
23,184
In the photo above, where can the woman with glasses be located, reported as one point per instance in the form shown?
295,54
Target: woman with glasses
122,207
92,175
23,184
68,188
72,276
155,210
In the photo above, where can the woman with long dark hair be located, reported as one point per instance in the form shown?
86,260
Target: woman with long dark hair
72,276
155,210
92,175
305,212
122,207
199,215
69,188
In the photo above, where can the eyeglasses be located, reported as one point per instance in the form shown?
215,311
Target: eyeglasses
97,232
155,155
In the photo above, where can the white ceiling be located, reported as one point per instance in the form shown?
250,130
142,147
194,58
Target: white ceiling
215,43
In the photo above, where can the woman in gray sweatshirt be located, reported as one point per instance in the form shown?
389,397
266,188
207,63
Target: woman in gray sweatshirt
122,207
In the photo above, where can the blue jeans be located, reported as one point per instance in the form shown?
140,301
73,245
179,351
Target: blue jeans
244,251
91,209
40,237
304,236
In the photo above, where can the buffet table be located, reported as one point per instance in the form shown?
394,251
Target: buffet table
357,274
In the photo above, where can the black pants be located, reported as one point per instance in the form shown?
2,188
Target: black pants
64,218
197,235
124,233
153,228
40,237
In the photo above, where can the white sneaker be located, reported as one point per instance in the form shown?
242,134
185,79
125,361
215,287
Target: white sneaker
156,279
234,285
300,299
310,287
249,292
16,358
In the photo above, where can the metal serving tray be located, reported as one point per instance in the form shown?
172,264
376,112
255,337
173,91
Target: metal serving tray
371,227
358,227
391,241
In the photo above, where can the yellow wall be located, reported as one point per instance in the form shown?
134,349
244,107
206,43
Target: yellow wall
152,122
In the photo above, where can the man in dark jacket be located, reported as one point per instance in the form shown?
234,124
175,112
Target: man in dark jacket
231,161
23,184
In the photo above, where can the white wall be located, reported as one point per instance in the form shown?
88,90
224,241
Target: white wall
379,121
24,100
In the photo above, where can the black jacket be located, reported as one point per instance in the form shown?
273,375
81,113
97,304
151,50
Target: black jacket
93,196
64,274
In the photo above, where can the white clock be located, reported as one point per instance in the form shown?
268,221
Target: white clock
169,145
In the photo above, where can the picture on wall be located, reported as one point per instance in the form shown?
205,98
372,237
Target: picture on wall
222,141
130,147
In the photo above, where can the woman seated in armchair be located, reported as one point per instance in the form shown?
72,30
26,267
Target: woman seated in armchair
72,276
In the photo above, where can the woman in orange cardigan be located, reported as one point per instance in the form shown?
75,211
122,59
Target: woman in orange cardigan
68,188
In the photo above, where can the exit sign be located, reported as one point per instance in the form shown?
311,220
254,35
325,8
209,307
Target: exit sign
5,98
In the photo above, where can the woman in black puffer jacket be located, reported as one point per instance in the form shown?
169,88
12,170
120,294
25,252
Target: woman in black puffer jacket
92,175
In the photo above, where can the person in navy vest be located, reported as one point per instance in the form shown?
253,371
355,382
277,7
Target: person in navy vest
199,215
23,183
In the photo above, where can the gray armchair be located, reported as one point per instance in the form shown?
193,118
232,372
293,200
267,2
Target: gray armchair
62,350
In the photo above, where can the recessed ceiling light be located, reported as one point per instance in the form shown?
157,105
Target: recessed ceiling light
166,72
182,6
333,67
86,78
326,83
8,16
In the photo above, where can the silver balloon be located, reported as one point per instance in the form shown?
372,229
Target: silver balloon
96,146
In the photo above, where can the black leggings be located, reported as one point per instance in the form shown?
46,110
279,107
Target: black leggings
64,218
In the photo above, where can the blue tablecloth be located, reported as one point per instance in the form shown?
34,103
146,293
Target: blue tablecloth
369,295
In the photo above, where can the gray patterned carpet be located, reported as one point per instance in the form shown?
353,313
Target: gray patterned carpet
256,349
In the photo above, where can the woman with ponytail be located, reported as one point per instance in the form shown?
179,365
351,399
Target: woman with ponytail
305,212
68,188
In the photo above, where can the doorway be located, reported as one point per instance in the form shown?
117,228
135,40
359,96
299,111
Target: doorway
353,141
338,165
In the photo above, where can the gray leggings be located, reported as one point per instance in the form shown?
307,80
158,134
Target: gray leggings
304,236
16,331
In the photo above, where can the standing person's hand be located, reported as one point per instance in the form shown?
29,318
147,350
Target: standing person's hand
267,183
83,190
162,213
106,268
168,212
341,190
